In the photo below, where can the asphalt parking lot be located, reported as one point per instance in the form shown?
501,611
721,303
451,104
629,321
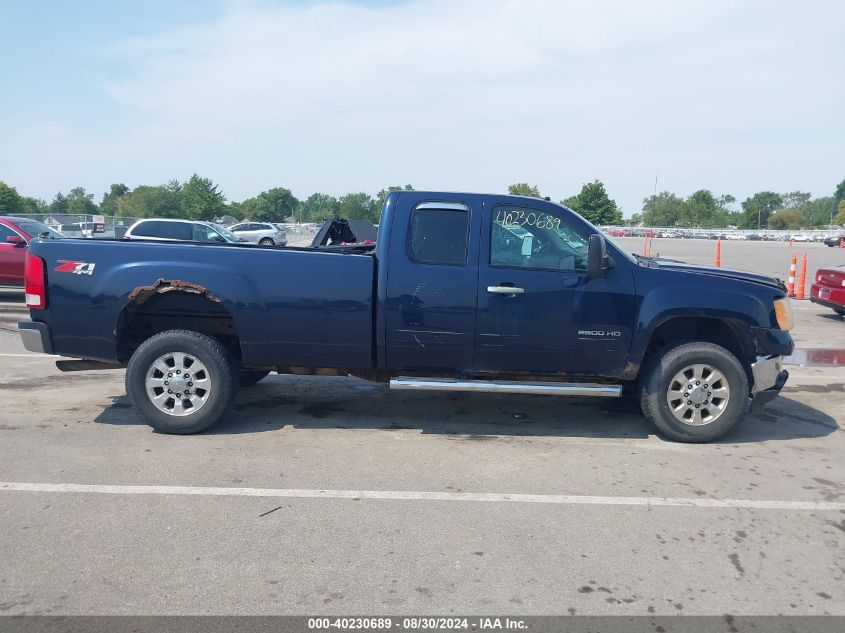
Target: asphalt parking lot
326,495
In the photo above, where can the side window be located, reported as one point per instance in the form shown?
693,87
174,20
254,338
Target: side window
237,228
147,229
176,230
522,237
438,233
5,232
202,233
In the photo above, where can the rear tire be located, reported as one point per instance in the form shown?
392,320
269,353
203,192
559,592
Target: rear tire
197,405
248,378
711,403
266,242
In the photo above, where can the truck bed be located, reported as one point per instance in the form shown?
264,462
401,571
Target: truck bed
294,306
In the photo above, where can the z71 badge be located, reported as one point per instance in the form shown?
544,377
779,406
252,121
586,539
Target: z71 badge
77,268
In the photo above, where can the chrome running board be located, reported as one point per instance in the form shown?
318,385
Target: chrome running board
405,383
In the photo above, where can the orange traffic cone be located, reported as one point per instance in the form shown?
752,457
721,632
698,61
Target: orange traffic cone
841,243
718,261
645,247
802,278
790,285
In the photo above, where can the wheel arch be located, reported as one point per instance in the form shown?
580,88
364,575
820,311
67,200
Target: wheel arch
165,306
731,334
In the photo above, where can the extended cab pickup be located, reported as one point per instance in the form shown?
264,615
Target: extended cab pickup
461,292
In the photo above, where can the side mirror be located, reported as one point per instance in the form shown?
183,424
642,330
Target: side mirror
17,240
597,259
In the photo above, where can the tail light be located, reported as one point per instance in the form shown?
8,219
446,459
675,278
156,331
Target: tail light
34,282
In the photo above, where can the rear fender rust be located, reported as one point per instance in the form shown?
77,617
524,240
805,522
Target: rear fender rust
141,294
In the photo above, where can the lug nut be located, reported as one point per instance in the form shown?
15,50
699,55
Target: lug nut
689,401
170,375
686,395
697,406
705,385
179,395
179,371
698,382
190,384
165,382
187,376
169,391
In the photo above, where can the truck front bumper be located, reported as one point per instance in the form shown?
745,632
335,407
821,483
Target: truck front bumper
36,336
769,378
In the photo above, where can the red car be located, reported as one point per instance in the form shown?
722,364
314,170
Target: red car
15,235
829,289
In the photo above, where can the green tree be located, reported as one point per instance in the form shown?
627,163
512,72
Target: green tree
787,219
201,200
703,210
840,216
796,199
273,205
378,203
524,189
11,202
80,202
35,205
839,194
357,206
664,209
818,212
108,205
59,205
757,209
595,205
318,207
163,201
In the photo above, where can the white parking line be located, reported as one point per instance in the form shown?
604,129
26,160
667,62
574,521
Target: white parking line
35,356
407,495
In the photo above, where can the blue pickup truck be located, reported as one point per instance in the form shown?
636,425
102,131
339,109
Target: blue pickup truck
460,292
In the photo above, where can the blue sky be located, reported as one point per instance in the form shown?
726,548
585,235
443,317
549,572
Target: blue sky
734,96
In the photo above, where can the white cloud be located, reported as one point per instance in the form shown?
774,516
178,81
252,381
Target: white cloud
735,96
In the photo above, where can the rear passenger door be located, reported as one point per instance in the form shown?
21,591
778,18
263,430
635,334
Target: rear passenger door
431,283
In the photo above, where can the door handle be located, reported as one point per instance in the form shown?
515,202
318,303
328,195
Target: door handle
505,290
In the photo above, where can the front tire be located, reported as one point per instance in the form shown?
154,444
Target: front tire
181,381
694,392
266,242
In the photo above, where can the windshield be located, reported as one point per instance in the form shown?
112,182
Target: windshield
38,229
230,237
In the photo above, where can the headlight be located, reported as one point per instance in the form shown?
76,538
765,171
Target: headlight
783,313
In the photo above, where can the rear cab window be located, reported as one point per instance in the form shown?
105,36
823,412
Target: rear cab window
438,233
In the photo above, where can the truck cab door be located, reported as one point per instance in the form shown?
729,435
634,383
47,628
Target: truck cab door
431,280
538,311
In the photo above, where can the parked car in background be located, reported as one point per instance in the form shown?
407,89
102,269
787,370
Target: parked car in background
263,233
829,289
736,236
835,239
800,237
15,236
166,230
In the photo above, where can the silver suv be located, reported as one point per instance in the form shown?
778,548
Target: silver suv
260,233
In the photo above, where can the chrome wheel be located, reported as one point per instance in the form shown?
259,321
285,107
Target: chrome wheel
698,395
178,383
